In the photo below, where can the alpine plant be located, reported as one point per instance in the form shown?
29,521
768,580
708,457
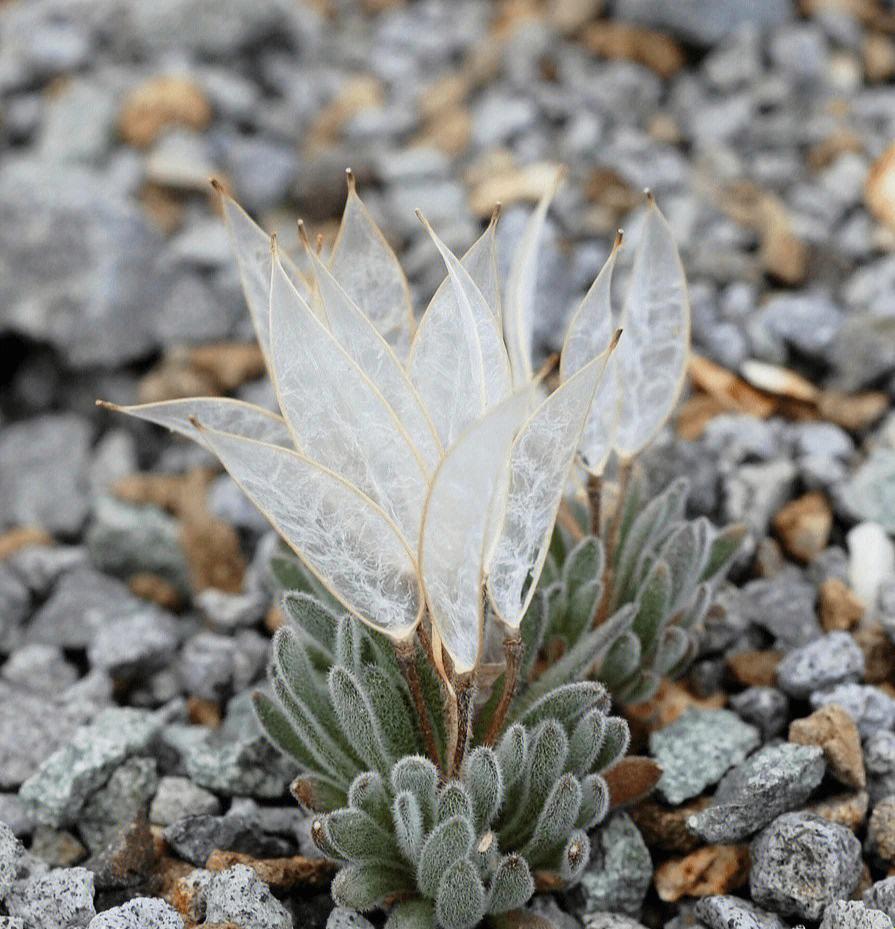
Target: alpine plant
440,695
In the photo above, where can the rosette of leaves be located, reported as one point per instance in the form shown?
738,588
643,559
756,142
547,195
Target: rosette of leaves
446,851
651,595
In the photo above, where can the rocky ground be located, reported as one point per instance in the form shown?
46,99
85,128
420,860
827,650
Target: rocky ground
135,605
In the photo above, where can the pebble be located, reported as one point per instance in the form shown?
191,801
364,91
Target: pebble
60,899
135,646
43,473
140,913
41,668
881,831
871,708
833,659
766,708
871,560
879,763
195,837
15,604
801,863
226,612
835,732
178,797
697,749
784,607
342,918
881,896
125,539
852,914
754,493
39,567
125,795
728,912
10,852
775,780
57,791
237,895
619,872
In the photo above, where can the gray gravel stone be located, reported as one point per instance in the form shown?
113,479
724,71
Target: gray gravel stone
870,708
802,863
11,852
236,895
39,567
342,918
606,920
125,539
196,837
135,646
41,668
881,896
697,749
57,791
833,659
32,726
141,913
869,492
728,912
83,602
764,707
15,816
774,780
226,612
92,302
120,800
754,493
43,470
59,899
784,606
852,914
620,870
206,665
178,797
15,604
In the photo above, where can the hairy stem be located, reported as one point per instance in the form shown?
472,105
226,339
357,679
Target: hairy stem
464,687
595,499
406,652
612,538
513,649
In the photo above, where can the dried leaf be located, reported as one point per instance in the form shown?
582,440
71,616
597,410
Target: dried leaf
221,413
337,415
374,356
342,536
540,461
652,356
521,286
366,267
454,538
589,333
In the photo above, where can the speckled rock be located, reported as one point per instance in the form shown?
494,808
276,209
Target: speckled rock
852,914
826,662
802,863
868,706
124,796
698,748
728,912
178,797
140,913
764,707
237,896
619,872
342,918
881,831
56,792
879,763
881,896
10,852
774,780
59,899
835,732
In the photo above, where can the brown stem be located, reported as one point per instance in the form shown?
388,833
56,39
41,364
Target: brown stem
406,653
595,499
612,536
464,686
513,649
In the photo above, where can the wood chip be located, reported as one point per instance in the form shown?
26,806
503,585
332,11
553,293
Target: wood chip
628,42
671,701
203,712
159,104
515,185
879,188
879,654
803,525
155,589
755,668
834,731
840,606
15,540
775,379
878,52
206,370
282,874
733,392
359,93
715,869
632,779
846,809
666,829
695,413
853,412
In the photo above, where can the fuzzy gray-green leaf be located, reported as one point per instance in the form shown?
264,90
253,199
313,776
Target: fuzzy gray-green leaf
460,901
420,777
616,739
364,886
407,819
512,885
448,843
357,719
358,837
594,802
555,821
485,785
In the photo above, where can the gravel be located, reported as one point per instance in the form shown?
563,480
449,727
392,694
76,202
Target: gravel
802,863
697,749
236,895
727,912
833,659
